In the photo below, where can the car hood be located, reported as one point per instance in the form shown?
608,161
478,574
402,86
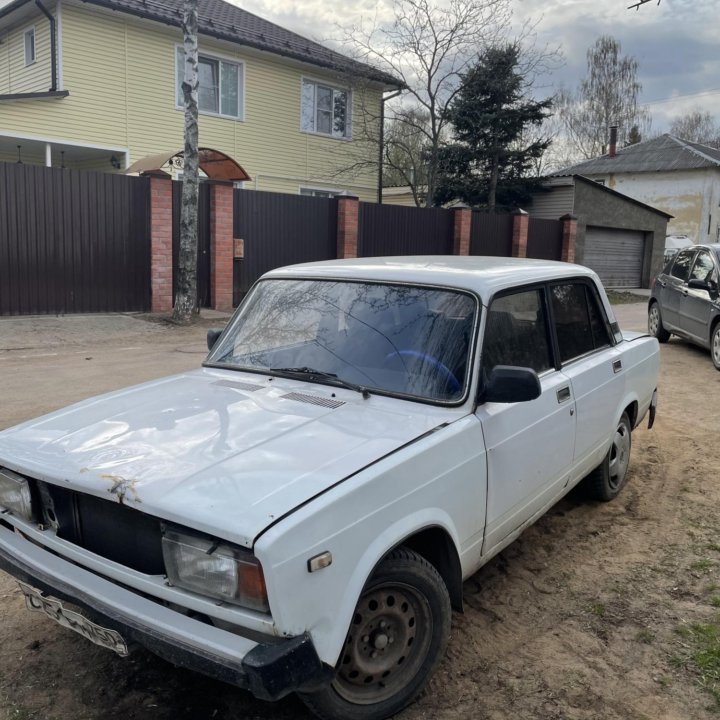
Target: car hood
224,452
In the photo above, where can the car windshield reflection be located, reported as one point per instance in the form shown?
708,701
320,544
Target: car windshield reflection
394,339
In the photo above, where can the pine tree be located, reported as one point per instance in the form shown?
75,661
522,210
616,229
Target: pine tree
488,165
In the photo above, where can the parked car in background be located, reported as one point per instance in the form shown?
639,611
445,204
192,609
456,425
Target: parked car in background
685,299
299,514
673,243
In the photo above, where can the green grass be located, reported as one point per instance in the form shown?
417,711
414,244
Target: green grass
703,564
715,601
645,636
597,609
702,654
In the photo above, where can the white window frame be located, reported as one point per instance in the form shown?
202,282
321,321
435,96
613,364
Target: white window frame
349,110
333,193
219,58
30,33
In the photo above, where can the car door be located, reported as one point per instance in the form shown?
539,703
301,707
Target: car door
674,287
529,444
593,364
696,305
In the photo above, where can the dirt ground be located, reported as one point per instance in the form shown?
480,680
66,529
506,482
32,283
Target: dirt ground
597,612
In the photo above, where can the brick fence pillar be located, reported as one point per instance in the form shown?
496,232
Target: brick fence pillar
161,227
348,207
462,215
569,234
221,246
520,234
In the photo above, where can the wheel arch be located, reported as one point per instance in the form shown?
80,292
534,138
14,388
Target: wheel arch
437,547
631,410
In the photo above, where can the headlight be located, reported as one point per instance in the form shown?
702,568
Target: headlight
219,570
15,494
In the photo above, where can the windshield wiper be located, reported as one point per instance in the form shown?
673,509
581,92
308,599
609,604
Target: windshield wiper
332,378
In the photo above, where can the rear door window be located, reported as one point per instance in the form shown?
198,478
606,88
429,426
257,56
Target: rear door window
580,323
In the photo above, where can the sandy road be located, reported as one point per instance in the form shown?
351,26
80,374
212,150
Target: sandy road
592,613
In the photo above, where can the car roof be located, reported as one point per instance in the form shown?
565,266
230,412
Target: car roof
482,275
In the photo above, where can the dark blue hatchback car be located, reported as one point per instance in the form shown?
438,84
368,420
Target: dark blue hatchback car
685,299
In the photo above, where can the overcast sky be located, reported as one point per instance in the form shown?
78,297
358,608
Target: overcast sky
677,43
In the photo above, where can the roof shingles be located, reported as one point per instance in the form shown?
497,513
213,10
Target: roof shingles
662,153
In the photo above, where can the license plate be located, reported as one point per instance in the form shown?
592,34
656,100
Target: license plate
54,609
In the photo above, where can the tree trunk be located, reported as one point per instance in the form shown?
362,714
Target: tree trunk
493,183
186,295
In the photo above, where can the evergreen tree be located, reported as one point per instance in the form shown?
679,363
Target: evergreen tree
488,164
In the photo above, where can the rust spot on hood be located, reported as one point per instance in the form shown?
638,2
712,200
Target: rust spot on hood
121,487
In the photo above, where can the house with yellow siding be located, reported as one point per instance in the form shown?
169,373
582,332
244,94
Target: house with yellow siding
94,84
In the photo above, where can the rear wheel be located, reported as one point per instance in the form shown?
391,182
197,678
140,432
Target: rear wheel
605,482
398,635
655,326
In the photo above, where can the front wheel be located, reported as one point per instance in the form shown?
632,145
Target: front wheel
605,482
398,635
655,326
715,346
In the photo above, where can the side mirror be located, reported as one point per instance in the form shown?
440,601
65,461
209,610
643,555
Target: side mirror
212,337
696,284
508,384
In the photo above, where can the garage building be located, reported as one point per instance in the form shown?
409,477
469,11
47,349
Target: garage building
621,239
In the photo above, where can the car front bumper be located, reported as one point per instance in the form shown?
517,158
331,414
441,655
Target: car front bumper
270,671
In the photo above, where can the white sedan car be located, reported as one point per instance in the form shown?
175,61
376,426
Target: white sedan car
299,514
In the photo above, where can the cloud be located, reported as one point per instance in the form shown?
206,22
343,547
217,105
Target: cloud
675,42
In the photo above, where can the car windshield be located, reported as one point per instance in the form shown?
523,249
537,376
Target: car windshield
395,339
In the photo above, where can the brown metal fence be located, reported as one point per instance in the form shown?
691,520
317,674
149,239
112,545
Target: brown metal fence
396,230
277,230
72,242
544,239
203,256
491,234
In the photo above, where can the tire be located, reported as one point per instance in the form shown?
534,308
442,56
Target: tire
398,635
715,346
655,326
605,482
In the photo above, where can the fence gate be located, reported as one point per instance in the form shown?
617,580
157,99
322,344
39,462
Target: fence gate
277,230
544,239
397,230
203,250
73,241
491,234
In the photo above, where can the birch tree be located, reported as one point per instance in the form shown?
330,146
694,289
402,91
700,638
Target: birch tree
608,95
186,295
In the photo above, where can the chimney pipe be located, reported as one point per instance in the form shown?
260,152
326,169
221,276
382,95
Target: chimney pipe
613,141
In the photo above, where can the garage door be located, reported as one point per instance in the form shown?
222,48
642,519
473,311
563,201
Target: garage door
615,255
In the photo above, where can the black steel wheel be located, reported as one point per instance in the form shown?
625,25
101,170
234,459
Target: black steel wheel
605,482
397,636
655,326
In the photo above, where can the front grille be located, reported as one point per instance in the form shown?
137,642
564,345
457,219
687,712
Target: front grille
106,528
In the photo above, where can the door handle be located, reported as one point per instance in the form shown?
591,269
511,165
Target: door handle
617,366
563,394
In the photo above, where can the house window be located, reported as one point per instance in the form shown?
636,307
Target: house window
320,192
325,110
30,46
220,90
